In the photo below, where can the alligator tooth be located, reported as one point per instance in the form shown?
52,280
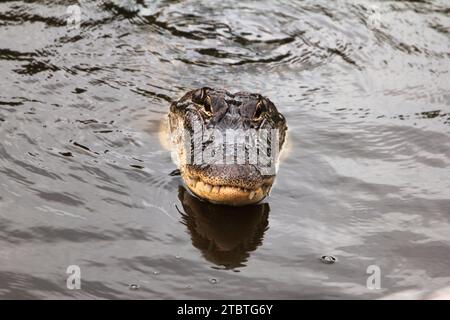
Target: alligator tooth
251,195
208,187
194,181
216,189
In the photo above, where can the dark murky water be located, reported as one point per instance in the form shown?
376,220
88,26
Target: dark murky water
84,180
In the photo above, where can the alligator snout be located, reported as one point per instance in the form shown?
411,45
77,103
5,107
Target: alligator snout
231,184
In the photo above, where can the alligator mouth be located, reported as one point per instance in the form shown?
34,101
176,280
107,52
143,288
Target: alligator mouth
227,194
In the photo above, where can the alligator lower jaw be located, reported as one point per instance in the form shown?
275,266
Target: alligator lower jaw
226,195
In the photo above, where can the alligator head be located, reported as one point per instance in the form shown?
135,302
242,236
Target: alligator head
227,145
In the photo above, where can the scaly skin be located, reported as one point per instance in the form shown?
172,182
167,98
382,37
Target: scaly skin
230,183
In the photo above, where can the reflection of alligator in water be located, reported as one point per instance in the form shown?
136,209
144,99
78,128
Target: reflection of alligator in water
225,235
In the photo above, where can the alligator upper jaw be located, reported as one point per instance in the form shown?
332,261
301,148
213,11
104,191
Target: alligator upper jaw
227,194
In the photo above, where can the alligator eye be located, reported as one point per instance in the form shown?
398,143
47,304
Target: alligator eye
208,105
198,96
258,110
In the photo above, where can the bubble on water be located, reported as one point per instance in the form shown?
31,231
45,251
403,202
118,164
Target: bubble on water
133,286
155,273
328,259
177,257
213,280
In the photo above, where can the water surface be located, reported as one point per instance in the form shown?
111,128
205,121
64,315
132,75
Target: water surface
84,180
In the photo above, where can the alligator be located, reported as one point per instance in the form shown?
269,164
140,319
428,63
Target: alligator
224,237
226,145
